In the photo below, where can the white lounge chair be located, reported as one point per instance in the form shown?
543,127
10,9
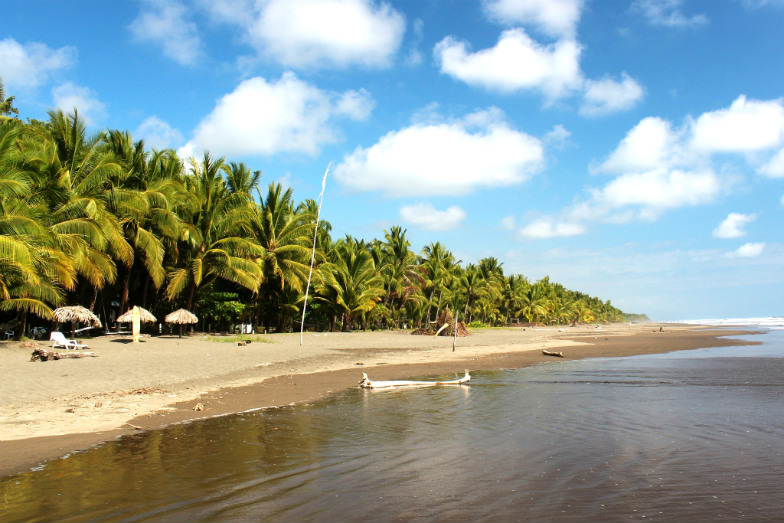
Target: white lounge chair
58,339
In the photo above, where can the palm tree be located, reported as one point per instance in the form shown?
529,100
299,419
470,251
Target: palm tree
285,235
436,265
399,271
69,174
240,179
6,104
349,282
474,286
217,241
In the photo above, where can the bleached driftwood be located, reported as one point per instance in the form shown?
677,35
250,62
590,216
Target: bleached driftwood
366,383
46,354
552,353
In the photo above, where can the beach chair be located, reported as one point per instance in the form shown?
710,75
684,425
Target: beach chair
58,339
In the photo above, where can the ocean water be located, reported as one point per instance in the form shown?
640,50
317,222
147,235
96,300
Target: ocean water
685,436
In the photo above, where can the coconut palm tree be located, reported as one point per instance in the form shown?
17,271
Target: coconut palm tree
436,266
349,282
399,270
217,242
6,104
69,174
285,234
143,202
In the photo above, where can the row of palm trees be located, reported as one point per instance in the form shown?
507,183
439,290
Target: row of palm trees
104,222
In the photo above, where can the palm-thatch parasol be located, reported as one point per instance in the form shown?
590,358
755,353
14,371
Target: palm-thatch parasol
145,316
76,314
181,317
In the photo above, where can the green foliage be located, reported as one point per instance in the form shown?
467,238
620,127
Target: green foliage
222,309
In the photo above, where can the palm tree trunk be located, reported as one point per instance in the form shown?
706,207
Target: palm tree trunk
125,290
430,304
191,294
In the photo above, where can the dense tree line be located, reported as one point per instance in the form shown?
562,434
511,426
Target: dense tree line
101,221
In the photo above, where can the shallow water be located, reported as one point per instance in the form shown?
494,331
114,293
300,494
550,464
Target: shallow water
687,436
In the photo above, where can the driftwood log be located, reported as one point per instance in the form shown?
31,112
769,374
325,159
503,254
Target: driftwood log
44,354
552,353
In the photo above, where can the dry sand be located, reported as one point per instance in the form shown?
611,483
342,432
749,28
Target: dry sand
48,409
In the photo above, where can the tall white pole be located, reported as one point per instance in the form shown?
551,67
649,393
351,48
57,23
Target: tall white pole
313,253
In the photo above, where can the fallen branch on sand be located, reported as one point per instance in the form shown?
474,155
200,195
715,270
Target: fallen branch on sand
552,353
45,355
365,382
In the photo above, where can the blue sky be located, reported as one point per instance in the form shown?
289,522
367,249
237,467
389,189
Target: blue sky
633,150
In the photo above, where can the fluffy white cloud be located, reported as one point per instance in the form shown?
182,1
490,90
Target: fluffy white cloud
263,117
339,33
515,63
158,134
649,145
27,66
443,158
746,126
748,250
547,228
554,17
667,13
166,24
657,190
774,168
609,96
431,218
69,96
733,224
661,167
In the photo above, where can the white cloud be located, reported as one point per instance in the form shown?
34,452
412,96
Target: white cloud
339,33
733,224
748,250
28,66
774,168
355,104
667,13
166,24
649,145
69,96
657,190
443,158
558,136
515,63
554,17
546,228
609,96
158,134
746,126
266,117
431,218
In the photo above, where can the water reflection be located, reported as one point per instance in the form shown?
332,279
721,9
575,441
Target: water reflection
670,438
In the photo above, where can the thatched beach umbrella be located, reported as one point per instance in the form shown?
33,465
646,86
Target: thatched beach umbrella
76,314
181,317
145,316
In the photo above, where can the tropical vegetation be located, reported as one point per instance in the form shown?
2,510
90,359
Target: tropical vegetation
103,221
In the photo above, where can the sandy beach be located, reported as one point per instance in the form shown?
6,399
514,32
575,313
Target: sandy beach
48,409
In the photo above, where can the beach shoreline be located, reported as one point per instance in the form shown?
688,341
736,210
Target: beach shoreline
50,409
